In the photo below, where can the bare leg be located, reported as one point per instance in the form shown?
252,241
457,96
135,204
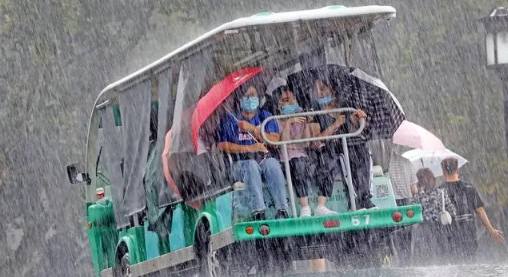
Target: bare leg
322,200
304,201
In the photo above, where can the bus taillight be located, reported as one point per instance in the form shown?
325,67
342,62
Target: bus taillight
249,230
100,193
410,213
331,223
264,230
397,216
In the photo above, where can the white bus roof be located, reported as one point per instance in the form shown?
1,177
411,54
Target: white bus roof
265,19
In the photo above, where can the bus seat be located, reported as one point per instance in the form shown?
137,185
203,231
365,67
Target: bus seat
239,186
382,191
377,170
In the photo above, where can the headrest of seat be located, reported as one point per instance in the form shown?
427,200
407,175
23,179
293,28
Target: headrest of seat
377,170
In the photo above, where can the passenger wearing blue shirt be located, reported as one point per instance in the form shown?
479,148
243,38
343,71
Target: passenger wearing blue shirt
240,135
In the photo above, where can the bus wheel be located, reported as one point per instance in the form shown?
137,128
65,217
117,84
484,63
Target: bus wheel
209,261
124,267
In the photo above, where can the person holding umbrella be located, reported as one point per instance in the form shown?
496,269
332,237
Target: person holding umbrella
467,202
429,240
240,136
333,86
330,124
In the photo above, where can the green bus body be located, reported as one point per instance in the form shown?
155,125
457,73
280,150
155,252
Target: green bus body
173,240
144,245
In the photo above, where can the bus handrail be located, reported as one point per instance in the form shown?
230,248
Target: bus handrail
275,117
343,137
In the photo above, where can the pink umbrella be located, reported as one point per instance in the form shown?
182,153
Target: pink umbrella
415,136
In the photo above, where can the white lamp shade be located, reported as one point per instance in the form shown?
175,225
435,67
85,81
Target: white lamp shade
502,48
491,57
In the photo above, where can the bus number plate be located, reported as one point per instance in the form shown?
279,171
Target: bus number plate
360,220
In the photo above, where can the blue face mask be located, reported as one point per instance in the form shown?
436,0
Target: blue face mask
249,104
324,100
290,108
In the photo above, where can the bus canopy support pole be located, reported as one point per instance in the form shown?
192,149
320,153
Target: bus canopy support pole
288,179
349,177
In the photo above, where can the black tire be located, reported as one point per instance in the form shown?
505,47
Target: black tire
123,268
209,261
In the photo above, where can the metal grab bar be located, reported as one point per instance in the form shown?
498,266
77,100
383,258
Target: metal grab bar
286,156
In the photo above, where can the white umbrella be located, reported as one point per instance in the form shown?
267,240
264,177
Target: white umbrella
432,159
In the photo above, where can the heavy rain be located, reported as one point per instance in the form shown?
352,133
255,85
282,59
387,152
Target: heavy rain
181,170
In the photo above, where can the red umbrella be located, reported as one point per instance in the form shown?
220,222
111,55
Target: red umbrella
217,94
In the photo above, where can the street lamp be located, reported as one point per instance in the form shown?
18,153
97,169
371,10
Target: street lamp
496,42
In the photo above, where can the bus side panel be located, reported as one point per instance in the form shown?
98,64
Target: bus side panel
223,211
177,237
134,238
151,243
96,247
102,234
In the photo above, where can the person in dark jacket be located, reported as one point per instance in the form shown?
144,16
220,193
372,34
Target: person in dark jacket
468,203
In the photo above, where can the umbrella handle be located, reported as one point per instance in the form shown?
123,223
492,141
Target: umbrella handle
230,113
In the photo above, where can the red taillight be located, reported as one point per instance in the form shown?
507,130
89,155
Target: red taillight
249,230
264,230
410,213
100,193
397,216
331,223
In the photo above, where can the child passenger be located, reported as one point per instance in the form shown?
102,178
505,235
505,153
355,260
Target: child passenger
300,164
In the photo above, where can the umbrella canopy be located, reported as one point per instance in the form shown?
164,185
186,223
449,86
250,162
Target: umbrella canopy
353,88
415,136
217,94
432,159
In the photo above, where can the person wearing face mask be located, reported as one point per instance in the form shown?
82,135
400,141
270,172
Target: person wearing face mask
240,136
300,164
359,155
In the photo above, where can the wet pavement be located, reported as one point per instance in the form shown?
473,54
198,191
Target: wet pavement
481,270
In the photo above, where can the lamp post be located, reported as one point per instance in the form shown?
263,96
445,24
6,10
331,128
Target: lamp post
496,42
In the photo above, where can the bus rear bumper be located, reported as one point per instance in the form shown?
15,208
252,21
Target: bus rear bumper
351,222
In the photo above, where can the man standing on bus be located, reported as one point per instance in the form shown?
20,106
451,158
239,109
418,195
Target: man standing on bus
240,136
402,176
